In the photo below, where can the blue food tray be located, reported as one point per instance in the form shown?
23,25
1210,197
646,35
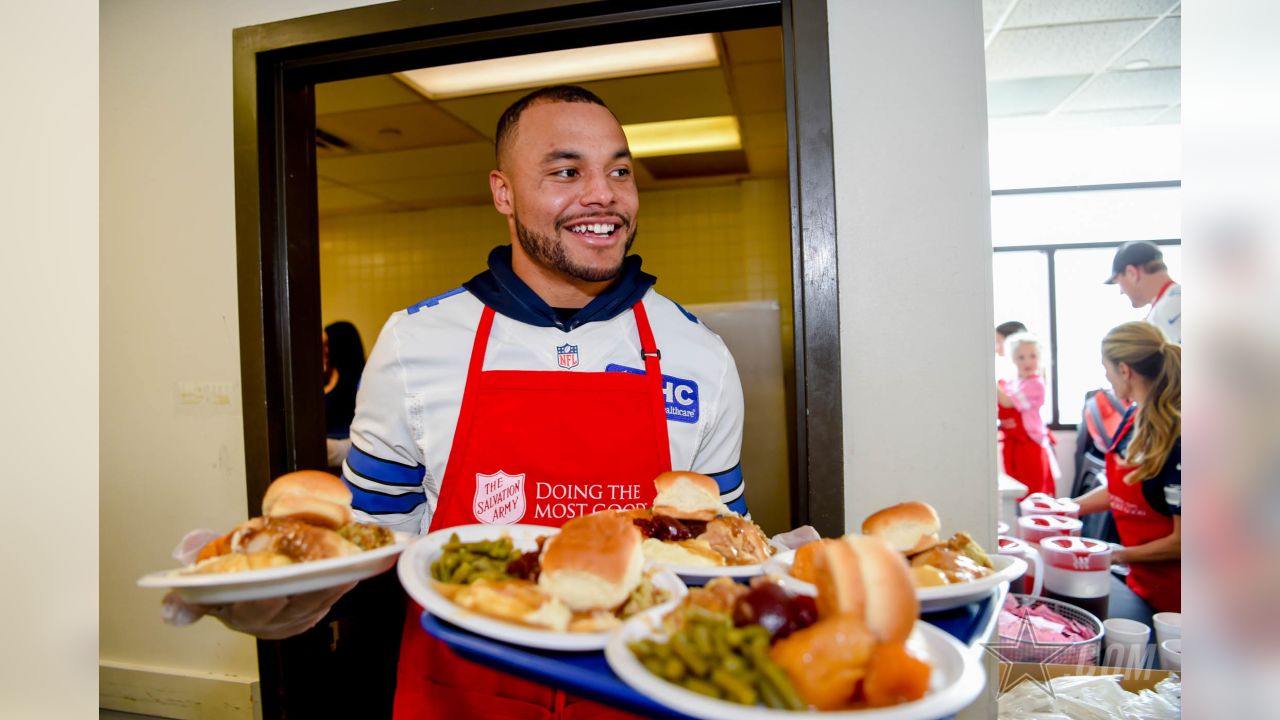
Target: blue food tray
587,674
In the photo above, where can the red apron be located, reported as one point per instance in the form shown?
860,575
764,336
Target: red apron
1163,289
1160,582
1025,460
534,447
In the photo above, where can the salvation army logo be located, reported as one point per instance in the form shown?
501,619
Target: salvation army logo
567,356
499,498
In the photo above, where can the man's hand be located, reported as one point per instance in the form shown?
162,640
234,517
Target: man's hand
269,619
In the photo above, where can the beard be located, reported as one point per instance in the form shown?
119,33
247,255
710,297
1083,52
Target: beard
549,251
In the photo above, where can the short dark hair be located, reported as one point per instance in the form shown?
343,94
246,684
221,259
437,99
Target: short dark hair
1005,329
555,93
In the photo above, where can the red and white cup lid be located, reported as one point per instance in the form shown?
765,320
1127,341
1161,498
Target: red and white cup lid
1034,527
1045,504
1076,553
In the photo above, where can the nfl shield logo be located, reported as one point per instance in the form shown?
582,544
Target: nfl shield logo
499,498
567,356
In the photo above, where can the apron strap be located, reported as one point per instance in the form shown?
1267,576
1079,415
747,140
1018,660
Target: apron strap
479,347
649,351
653,372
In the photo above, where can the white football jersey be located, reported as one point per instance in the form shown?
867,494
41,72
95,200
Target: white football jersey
411,394
1166,313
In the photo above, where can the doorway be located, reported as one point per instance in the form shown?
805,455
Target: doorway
279,68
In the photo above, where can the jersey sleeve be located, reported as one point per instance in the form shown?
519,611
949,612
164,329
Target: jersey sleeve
384,468
1164,491
720,448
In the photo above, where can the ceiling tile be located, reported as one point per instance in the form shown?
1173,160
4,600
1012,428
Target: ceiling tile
991,12
434,191
330,197
1030,13
750,46
1031,95
759,87
397,127
1162,47
1057,51
769,128
362,93
1107,118
1130,89
728,162
475,159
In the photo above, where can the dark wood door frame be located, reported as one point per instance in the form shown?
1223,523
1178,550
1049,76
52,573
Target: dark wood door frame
275,69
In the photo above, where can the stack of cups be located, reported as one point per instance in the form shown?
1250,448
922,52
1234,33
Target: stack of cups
1169,639
1078,571
1043,504
1029,583
1125,643
1034,528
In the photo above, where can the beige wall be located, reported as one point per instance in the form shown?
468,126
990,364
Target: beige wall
708,244
168,316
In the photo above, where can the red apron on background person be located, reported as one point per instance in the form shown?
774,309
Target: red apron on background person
1025,460
572,435
1160,582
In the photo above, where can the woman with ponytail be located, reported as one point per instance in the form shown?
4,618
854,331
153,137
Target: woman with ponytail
1144,462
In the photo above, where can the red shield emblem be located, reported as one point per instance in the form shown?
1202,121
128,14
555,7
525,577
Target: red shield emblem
499,498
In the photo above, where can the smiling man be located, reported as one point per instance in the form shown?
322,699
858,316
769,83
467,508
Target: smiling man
555,384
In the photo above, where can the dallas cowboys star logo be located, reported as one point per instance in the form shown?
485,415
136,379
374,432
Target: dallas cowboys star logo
1009,651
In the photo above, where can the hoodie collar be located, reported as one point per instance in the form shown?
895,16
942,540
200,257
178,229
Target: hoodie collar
501,289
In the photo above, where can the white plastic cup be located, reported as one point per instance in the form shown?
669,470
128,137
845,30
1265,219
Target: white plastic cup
1171,654
1125,643
1168,626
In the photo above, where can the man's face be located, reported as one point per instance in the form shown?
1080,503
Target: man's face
1128,282
567,188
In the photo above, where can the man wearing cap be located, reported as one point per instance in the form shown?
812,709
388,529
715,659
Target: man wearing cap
1139,270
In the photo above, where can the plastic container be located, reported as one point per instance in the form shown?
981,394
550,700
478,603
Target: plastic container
1034,528
1002,528
1042,504
1078,571
1030,582
1082,652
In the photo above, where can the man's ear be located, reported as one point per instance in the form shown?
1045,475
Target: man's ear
501,189
1133,272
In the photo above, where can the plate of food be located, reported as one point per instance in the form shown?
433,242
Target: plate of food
855,650
947,573
305,540
540,587
690,532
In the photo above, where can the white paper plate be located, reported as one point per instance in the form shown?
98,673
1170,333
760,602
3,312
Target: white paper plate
955,681
219,588
701,575
932,599
415,575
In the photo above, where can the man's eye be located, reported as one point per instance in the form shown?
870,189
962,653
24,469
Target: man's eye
566,173
621,172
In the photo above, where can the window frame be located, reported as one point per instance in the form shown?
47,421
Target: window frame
1050,250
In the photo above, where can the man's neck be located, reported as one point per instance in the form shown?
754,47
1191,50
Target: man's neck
1153,283
555,289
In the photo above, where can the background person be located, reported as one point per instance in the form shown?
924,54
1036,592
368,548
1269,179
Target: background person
1144,462
1004,368
1139,269
458,386
1027,450
343,365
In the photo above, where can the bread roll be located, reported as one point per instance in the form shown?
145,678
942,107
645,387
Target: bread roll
909,527
594,562
310,496
891,603
688,496
239,562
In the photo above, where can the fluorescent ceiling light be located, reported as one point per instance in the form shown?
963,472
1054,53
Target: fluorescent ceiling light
683,137
578,65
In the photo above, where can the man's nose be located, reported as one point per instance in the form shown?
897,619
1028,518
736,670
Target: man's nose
597,190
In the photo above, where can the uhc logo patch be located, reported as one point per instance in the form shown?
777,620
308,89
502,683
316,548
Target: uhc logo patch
681,395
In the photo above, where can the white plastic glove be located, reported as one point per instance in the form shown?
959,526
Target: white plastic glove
792,539
269,619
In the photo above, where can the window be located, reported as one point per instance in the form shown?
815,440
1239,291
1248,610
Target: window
1053,249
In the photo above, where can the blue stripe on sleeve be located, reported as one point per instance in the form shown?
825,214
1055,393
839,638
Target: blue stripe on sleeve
739,506
384,471
729,480
378,504
433,301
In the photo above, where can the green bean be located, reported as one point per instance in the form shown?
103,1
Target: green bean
702,687
701,637
673,670
685,650
738,690
774,675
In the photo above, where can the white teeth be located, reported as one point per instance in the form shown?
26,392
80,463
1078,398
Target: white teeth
598,228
